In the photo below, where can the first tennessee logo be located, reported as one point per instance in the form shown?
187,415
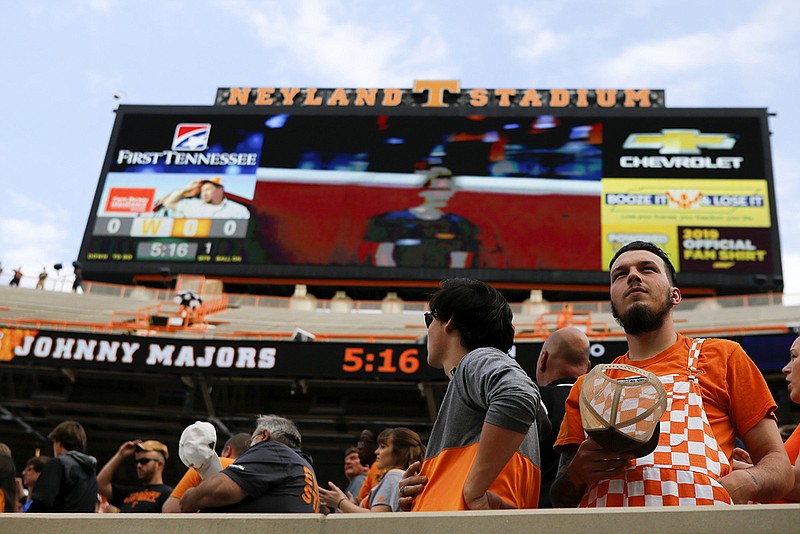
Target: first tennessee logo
191,136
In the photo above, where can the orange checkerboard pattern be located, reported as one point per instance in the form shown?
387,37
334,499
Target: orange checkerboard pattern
684,468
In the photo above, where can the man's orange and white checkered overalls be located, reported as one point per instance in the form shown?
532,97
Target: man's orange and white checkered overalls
685,467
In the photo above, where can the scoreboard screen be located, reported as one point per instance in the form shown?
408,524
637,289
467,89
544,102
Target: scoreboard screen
418,194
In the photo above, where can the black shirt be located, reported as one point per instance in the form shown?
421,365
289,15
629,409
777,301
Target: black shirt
138,499
554,395
276,478
68,483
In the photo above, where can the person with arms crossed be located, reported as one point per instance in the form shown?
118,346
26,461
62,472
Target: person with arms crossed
150,457
272,476
483,452
714,393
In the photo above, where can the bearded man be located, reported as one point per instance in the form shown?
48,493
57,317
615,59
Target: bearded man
715,394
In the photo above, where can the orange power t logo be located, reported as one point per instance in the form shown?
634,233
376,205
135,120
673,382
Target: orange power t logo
679,141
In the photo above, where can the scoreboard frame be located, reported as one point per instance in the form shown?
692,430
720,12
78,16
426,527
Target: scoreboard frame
732,248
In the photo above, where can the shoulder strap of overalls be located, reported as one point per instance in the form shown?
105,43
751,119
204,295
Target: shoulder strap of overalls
694,358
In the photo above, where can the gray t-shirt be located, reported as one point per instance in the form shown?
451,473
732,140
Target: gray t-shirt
489,386
387,491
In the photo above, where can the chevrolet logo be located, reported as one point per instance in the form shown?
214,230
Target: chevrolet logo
679,141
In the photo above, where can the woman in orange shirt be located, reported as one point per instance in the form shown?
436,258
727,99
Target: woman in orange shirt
792,372
792,444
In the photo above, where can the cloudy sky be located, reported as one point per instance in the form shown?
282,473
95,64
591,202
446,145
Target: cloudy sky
63,62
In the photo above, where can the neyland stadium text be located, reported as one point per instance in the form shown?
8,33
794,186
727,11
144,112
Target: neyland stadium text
439,94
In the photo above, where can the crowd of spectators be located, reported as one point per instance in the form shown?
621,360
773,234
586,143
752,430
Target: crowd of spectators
500,437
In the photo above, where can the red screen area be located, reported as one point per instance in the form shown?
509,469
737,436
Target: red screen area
326,224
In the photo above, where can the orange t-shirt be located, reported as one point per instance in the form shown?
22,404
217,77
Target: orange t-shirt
518,482
373,477
792,446
191,479
735,395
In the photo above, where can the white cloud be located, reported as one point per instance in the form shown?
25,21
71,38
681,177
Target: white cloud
33,234
535,39
21,203
103,6
31,244
104,80
791,290
787,190
327,42
661,59
756,45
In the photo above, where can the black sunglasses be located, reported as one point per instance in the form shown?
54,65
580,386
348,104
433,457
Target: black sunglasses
429,317
143,461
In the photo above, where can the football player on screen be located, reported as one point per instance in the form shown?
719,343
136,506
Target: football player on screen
424,235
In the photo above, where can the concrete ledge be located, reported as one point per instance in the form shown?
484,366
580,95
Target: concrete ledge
706,520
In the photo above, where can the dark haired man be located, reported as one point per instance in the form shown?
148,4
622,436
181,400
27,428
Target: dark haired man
715,393
68,482
30,474
483,451
354,470
367,444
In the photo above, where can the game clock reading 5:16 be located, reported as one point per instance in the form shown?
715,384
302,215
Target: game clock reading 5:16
355,360
166,250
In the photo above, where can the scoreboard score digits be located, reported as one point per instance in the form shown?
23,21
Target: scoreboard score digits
167,238
162,227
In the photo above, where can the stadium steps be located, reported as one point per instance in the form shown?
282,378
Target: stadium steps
274,319
22,303
283,322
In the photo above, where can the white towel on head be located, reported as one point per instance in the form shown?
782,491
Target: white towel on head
196,448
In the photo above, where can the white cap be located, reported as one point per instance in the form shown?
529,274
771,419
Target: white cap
196,448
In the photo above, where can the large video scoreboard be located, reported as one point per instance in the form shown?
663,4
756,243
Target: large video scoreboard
521,195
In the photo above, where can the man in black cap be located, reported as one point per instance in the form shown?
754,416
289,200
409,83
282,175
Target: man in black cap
150,457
